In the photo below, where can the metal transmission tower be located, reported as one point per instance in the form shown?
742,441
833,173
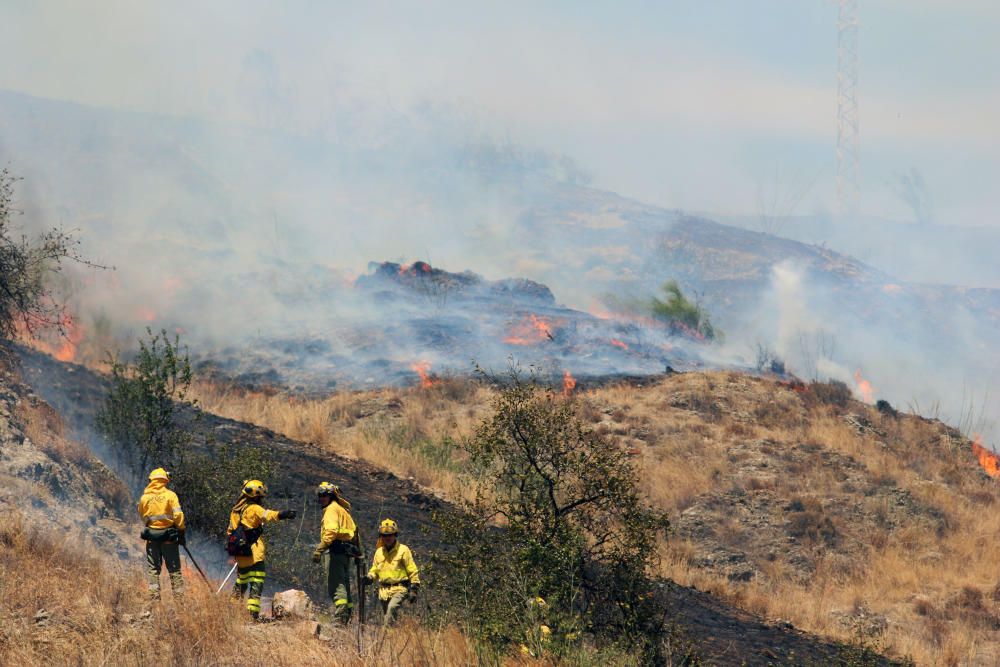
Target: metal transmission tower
848,127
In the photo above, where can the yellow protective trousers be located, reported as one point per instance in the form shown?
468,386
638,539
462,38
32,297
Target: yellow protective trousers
250,581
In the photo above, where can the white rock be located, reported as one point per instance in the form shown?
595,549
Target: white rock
291,603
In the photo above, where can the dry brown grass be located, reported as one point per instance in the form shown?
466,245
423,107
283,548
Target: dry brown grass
685,434
59,605
45,428
401,430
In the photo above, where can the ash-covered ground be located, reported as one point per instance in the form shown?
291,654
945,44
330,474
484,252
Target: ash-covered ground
407,324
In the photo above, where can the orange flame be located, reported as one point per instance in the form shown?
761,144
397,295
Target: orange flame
74,334
987,459
64,347
618,343
531,331
569,383
865,387
422,368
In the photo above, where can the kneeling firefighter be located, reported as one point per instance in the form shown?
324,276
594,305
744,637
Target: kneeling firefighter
394,570
246,541
338,545
160,510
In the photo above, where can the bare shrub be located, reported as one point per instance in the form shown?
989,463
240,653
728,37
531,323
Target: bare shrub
834,393
809,521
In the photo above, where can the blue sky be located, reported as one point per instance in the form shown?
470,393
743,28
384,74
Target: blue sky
696,105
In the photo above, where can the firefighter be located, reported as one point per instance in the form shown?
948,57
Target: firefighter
394,570
160,510
338,545
251,516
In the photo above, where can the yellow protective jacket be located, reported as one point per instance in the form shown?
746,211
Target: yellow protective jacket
338,526
393,569
159,507
254,516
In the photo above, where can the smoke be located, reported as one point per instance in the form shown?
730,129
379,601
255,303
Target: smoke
925,349
240,168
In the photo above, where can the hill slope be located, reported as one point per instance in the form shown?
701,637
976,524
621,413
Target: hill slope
724,634
793,501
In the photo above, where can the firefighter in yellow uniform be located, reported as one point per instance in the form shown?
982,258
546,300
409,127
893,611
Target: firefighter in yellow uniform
338,545
394,570
251,515
160,510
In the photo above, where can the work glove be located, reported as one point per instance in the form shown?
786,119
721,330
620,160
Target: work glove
172,535
368,580
318,554
182,538
412,597
287,514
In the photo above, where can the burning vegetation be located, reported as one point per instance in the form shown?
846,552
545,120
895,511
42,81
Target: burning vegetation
531,330
987,458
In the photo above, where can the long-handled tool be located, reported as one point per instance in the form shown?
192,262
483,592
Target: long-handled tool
224,581
196,566
359,568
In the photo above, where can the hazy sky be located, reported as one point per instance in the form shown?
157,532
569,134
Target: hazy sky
697,105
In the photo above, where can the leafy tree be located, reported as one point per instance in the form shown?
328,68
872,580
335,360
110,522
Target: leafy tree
555,514
681,314
27,301
140,414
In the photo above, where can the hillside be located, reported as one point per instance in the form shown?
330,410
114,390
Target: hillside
793,501
721,632
49,479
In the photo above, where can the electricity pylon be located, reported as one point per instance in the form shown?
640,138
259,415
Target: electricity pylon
848,127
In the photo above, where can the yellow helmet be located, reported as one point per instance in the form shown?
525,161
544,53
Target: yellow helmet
327,489
159,473
254,488
388,527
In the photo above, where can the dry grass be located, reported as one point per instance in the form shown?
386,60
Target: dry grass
689,435
60,606
405,431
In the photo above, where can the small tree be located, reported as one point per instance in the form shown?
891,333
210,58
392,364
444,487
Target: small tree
146,396
556,514
27,301
682,315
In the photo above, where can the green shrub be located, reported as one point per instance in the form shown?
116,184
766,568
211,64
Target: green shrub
682,315
140,413
556,515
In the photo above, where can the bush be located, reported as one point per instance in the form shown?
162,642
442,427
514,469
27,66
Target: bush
27,302
556,517
140,414
211,482
834,393
681,315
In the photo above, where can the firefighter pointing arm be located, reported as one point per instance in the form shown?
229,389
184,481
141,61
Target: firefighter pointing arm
337,546
394,570
248,517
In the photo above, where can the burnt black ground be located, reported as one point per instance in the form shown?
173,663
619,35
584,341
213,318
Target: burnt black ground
723,634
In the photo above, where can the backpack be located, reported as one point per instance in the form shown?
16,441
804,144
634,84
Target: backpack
241,540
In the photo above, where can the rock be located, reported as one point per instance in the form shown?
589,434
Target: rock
292,603
42,617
